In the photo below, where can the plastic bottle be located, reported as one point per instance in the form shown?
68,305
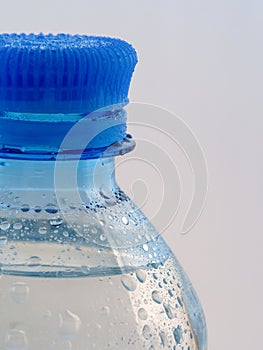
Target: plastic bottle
80,266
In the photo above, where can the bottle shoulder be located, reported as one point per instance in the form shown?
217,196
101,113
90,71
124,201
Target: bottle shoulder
101,233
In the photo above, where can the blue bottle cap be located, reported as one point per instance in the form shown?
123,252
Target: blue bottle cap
63,73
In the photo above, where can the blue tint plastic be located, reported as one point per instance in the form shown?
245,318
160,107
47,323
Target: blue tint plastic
81,267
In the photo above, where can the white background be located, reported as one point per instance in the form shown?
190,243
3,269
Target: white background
203,61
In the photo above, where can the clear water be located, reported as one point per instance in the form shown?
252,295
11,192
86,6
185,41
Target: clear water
97,277
143,309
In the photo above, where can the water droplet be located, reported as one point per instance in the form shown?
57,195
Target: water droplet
17,226
19,292
34,262
141,276
157,297
3,240
170,293
125,220
142,314
17,199
146,332
69,323
102,222
94,230
5,225
180,301
42,230
177,333
51,208
56,222
13,212
65,233
170,311
145,247
129,283
163,338
102,237
85,269
105,192
25,208
37,209
105,311
16,340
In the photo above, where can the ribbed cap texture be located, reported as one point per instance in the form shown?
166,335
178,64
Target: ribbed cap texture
63,73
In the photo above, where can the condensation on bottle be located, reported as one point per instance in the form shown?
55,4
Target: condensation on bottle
81,267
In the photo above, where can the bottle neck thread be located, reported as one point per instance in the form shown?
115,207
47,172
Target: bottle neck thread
101,133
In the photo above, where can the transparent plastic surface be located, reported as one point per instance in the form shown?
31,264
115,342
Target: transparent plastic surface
92,274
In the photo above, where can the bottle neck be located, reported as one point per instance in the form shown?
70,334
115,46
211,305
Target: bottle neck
29,136
60,183
60,159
